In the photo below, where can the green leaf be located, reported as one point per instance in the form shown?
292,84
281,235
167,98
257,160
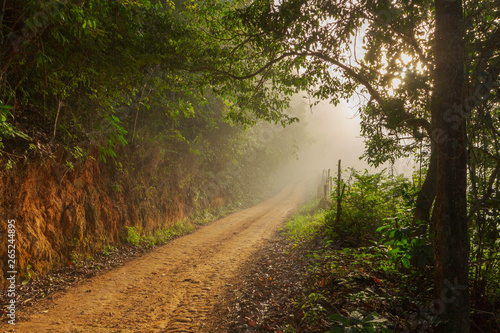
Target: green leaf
341,319
406,262
336,328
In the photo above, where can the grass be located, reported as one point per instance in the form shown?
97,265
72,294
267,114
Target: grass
135,236
305,223
346,289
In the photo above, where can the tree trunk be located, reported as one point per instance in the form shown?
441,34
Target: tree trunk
427,194
451,242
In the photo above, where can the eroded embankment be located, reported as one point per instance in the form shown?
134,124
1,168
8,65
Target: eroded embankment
62,210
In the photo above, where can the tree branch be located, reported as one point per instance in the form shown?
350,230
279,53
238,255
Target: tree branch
248,76
488,193
408,118
486,52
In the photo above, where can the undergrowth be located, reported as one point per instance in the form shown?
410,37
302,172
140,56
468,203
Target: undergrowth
161,236
360,282
208,215
372,269
135,235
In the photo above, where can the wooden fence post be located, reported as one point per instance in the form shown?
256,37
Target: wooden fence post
328,185
339,196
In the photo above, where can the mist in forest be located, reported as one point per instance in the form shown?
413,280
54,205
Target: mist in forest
325,134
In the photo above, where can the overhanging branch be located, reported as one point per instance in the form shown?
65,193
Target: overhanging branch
407,117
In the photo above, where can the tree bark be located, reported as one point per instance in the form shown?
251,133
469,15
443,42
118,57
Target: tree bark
427,194
451,242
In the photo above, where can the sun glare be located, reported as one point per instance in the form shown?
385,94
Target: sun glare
406,59
395,83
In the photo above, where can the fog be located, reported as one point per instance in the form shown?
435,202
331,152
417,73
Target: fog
333,133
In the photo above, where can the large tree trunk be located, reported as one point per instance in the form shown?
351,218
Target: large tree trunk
451,242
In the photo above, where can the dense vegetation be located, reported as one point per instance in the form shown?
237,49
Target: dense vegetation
101,75
371,271
118,81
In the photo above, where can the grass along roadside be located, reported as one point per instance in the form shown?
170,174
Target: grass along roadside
373,270
305,223
136,236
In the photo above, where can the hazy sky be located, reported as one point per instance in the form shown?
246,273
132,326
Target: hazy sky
336,135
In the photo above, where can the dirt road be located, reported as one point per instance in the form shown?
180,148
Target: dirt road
171,289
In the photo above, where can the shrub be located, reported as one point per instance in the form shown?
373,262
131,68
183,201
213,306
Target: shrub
133,236
368,201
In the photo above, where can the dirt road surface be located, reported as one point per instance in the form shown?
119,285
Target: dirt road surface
171,289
